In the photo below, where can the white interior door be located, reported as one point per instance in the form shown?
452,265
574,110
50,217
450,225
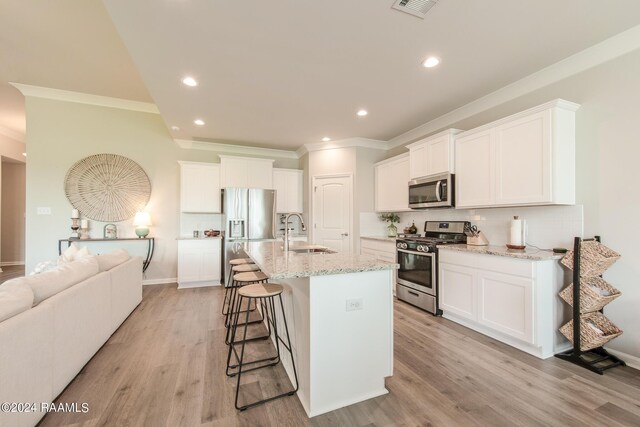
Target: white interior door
332,212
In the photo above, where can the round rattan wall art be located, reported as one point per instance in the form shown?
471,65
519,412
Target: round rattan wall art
107,187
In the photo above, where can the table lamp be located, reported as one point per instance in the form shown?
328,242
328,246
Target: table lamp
142,221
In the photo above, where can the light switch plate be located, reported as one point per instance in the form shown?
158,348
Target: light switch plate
44,211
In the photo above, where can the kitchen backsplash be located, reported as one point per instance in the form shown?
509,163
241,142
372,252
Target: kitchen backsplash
190,222
547,226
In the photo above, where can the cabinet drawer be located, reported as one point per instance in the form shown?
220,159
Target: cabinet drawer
506,265
377,245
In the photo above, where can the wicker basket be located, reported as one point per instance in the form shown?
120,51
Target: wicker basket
589,337
595,258
590,299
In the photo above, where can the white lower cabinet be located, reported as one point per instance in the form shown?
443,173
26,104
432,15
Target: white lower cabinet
199,262
512,300
382,250
459,296
505,303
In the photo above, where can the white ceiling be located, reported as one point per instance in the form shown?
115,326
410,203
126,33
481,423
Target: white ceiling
62,44
282,73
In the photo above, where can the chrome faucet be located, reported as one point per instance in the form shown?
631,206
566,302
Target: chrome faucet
286,229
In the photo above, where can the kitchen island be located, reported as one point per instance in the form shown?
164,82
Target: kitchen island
339,310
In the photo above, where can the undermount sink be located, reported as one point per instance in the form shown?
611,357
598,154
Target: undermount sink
312,250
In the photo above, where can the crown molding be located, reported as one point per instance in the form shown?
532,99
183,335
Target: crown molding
85,98
598,54
234,149
373,144
10,133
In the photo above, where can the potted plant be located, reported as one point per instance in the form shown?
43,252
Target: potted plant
392,218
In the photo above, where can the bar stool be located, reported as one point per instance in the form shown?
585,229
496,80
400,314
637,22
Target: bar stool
240,268
235,305
267,293
232,263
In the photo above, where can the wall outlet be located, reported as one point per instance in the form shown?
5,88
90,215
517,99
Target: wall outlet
354,304
44,211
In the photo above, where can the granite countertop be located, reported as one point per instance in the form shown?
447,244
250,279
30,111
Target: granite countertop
381,238
530,254
277,264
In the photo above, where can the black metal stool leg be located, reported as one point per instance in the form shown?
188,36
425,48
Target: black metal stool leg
241,363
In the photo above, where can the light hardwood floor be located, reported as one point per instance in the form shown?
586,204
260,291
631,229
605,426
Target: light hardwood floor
165,367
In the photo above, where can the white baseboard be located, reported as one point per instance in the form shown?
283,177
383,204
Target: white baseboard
160,281
10,263
633,361
205,284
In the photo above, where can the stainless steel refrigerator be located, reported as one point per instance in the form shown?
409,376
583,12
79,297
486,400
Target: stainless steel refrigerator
249,214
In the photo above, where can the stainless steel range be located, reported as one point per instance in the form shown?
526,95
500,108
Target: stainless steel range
418,258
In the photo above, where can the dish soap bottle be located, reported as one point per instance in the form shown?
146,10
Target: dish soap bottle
413,229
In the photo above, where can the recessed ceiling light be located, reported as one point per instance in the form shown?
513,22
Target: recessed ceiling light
326,139
362,113
199,122
190,81
175,128
24,154
430,62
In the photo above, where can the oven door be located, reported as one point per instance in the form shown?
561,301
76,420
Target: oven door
417,270
436,191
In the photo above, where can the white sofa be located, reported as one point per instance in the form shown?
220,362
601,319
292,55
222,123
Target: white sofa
44,347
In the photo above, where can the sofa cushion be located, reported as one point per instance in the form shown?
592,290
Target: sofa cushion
108,261
49,283
15,297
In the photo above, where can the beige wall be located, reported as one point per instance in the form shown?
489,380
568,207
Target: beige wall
61,133
357,161
12,148
12,220
607,175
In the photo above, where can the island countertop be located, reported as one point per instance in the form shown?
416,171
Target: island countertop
277,264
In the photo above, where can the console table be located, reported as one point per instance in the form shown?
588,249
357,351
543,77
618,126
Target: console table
149,240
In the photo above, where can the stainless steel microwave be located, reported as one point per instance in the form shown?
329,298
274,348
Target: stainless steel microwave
434,191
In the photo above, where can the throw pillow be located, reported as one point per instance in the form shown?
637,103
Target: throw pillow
68,254
73,253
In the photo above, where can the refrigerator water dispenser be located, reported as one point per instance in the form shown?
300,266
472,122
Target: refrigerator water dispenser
236,229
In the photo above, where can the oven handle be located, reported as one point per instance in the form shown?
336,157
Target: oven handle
439,190
429,254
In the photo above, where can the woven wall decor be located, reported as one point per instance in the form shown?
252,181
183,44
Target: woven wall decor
107,187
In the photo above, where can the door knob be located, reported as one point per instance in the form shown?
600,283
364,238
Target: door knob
344,234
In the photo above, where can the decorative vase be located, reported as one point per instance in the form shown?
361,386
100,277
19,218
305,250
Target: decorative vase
392,230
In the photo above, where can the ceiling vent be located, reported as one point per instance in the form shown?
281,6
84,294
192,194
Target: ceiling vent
417,8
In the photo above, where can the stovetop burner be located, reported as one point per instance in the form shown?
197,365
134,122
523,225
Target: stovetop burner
437,233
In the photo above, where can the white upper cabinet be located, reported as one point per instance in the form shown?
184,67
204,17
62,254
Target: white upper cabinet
524,159
199,187
246,172
474,184
432,155
288,186
392,184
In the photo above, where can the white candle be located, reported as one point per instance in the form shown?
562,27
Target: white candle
84,223
75,213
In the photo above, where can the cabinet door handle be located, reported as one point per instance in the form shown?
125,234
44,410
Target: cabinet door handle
344,234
